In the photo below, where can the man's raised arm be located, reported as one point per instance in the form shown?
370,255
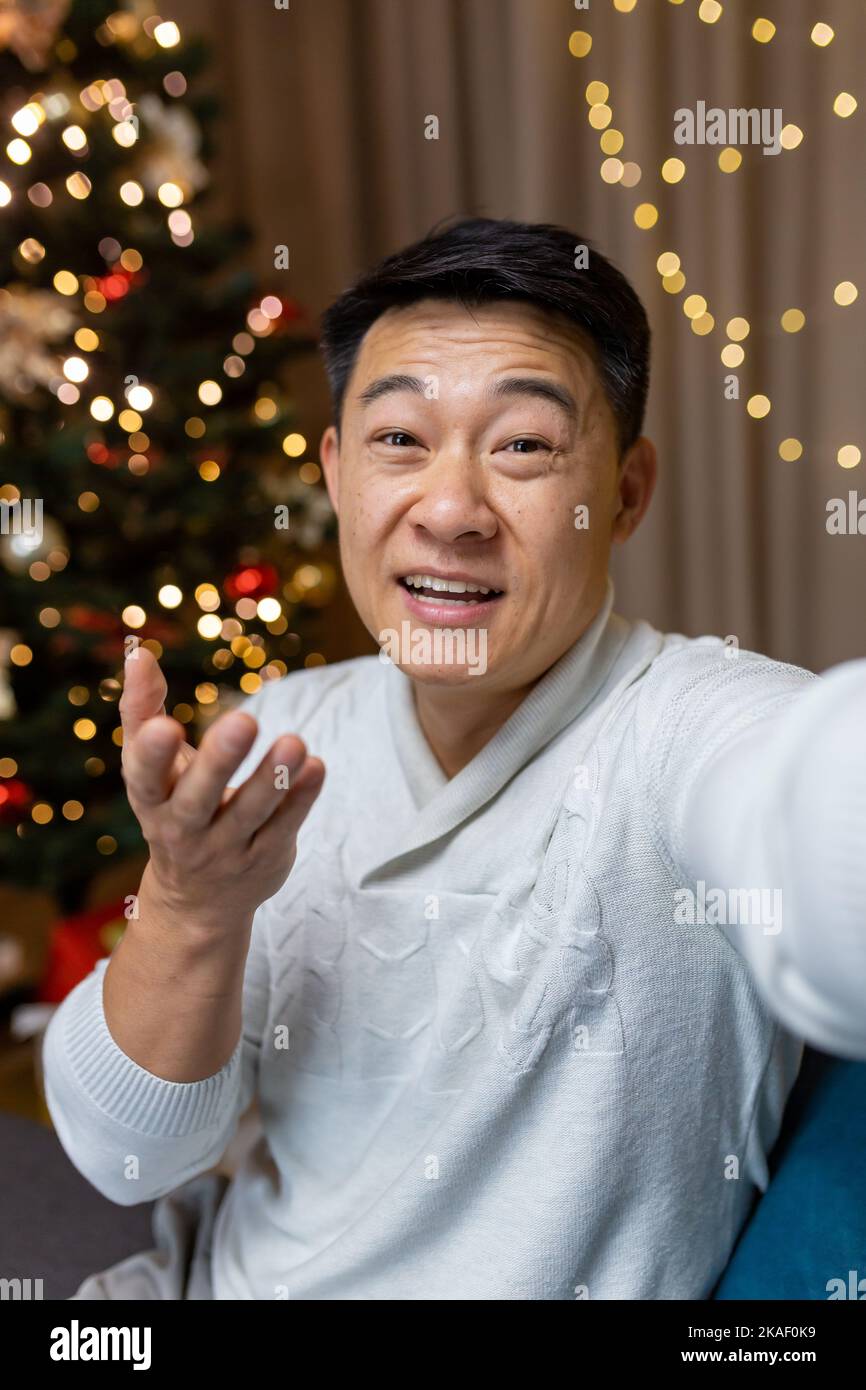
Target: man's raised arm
760,785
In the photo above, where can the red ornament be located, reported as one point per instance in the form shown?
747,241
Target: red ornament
101,455
116,284
251,581
87,619
15,798
76,944
112,632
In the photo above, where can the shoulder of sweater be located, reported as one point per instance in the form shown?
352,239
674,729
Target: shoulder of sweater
711,676
303,697
653,661
306,703
720,658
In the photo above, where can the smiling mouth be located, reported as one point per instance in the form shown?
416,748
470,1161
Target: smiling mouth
435,590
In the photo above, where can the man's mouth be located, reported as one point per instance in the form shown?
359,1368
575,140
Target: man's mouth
438,591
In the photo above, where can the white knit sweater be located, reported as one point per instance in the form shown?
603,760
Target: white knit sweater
523,1061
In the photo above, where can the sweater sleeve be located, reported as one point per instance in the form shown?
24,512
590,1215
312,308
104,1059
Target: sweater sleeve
134,1135
758,795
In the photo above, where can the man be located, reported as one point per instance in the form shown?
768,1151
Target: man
521,986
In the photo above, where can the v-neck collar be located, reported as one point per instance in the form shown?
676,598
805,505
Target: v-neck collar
558,698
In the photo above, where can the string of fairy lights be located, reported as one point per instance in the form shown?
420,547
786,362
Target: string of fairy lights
628,174
58,112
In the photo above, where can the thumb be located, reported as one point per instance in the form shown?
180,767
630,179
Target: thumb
144,691
143,698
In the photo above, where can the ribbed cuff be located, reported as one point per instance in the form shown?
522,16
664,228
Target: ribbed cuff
82,1046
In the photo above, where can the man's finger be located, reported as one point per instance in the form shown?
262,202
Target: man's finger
264,790
287,819
199,792
150,757
144,692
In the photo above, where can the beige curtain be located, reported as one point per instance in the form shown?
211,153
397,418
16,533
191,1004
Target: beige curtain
324,150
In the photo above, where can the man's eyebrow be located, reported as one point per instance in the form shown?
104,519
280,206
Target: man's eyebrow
508,386
384,385
536,386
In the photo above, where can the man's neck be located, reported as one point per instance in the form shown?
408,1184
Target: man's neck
458,724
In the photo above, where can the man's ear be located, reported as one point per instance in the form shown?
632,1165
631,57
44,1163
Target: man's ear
329,455
636,480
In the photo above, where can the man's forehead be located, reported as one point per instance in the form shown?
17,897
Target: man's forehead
499,334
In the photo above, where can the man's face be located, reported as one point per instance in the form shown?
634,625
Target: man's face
478,474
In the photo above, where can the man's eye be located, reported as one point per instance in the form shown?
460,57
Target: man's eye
532,446
399,438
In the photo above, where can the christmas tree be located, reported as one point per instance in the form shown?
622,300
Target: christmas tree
152,486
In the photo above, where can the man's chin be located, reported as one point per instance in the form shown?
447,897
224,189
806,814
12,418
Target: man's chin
433,654
445,676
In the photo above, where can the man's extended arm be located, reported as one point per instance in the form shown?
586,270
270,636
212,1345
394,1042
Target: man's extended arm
780,807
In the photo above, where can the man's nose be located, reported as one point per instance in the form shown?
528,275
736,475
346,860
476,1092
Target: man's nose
452,499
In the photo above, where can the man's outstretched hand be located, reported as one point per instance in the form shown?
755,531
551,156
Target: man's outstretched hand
216,853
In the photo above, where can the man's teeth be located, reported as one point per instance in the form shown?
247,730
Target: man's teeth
445,586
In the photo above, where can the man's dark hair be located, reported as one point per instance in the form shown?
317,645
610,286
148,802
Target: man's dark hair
479,260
